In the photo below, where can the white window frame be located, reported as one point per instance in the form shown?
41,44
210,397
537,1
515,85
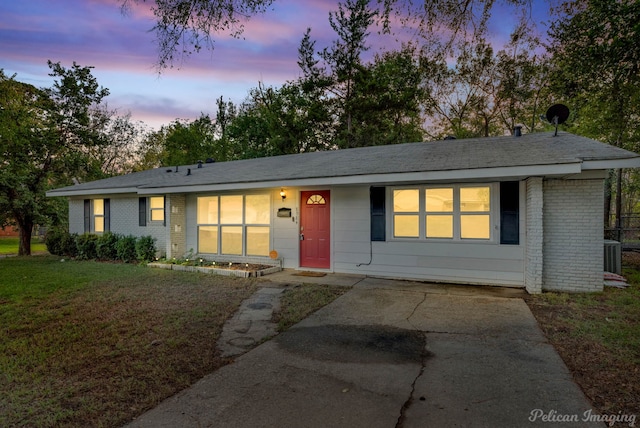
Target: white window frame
494,213
151,209
243,224
95,216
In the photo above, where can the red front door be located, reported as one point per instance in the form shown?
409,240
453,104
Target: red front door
315,229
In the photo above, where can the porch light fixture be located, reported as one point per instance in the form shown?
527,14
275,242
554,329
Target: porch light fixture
283,195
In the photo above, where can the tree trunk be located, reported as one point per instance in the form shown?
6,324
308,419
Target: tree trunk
24,247
607,200
619,206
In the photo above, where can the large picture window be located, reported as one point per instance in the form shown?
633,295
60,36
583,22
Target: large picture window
455,212
234,224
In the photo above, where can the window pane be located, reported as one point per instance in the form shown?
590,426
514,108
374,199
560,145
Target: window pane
156,202
232,240
439,226
475,199
208,210
157,215
406,226
258,209
99,224
475,227
208,239
98,207
406,200
439,199
257,241
231,209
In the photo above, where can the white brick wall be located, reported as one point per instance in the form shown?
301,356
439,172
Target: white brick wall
534,241
573,235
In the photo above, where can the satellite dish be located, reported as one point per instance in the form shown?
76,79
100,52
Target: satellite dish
557,114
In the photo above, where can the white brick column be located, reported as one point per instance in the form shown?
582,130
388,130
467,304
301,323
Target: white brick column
535,233
177,226
573,235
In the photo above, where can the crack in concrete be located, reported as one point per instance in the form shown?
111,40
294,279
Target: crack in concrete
425,355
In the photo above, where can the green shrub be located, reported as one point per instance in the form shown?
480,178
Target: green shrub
126,248
59,242
106,246
54,240
145,248
69,245
86,244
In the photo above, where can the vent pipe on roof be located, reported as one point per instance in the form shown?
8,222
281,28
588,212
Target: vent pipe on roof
199,164
517,131
188,171
176,168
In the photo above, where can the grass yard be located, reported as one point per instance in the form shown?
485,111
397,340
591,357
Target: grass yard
96,344
9,245
598,337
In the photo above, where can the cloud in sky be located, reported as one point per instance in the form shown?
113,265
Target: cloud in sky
122,50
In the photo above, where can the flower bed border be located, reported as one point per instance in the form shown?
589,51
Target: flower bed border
217,271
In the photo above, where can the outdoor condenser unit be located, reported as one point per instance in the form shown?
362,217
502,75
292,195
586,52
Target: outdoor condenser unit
612,257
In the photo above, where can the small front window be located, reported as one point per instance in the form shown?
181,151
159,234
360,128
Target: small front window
98,215
156,205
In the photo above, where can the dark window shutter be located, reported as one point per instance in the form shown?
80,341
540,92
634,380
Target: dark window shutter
142,211
107,215
87,215
378,219
164,222
509,212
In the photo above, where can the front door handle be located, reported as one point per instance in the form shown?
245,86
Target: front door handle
302,236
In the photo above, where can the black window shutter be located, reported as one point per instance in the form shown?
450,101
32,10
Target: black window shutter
107,215
378,222
87,215
509,212
142,211
164,205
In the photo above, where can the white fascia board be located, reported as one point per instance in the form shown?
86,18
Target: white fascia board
407,177
612,163
88,192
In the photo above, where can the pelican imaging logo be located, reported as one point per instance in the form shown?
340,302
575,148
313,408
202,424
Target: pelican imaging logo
539,415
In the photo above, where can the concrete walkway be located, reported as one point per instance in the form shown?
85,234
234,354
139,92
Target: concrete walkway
391,354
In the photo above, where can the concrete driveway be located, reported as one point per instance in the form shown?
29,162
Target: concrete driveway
392,354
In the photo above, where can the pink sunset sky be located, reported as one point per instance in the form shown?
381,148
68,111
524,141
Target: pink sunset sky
122,50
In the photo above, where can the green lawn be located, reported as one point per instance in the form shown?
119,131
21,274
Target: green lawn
97,344
9,245
598,337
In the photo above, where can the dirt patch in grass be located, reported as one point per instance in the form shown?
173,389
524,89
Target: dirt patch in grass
301,301
102,354
598,337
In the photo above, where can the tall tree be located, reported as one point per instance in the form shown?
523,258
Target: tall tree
44,136
595,51
186,26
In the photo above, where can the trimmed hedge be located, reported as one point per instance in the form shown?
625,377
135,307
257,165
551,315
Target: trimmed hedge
108,246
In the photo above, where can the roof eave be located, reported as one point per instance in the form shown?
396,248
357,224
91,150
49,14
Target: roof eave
84,192
611,163
501,173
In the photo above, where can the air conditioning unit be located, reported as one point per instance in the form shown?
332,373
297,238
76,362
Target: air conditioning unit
612,257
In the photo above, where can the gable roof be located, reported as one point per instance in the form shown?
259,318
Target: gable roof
537,154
